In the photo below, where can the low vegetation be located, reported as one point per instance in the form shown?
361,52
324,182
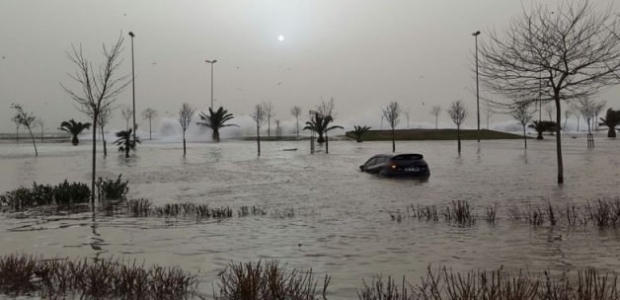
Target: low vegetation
62,278
444,283
64,195
269,280
602,213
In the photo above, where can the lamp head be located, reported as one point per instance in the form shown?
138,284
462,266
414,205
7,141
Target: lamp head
131,34
476,33
211,61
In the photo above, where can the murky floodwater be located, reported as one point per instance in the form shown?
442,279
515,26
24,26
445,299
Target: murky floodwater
342,224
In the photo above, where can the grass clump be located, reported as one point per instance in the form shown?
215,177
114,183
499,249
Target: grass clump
84,279
270,280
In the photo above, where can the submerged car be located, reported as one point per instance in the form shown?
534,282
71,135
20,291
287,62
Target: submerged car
397,165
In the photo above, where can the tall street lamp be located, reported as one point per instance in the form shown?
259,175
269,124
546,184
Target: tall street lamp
212,62
133,86
476,34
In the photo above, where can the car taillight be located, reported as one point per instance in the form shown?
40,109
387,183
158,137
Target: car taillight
394,167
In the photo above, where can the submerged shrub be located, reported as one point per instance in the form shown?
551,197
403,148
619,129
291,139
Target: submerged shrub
110,189
64,195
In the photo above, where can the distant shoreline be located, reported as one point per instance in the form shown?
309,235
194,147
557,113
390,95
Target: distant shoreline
434,135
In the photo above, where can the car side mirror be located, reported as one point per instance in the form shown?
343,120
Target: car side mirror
362,168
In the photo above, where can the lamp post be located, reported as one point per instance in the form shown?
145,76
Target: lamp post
212,62
476,34
133,86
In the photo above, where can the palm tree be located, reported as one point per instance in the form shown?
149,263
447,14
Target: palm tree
611,120
358,132
126,141
216,120
74,128
319,124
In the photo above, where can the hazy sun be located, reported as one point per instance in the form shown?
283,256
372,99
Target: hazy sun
280,38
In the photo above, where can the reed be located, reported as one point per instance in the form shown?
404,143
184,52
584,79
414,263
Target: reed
444,283
85,279
460,213
270,280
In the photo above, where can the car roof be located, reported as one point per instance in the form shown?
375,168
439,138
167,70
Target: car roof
391,155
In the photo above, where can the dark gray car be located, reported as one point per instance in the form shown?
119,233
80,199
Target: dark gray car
410,164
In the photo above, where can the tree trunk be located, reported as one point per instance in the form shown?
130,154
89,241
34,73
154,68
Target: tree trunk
393,141
524,136
436,120
75,140
297,118
258,139
458,137
216,135
105,147
34,143
150,135
268,126
578,123
558,138
17,134
321,139
93,175
326,144
127,148
184,150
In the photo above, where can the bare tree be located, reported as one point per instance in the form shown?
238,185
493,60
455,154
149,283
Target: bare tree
98,89
149,114
458,113
598,109
392,116
268,109
523,115
296,112
15,120
573,48
586,109
39,122
490,112
406,113
278,129
567,114
185,118
258,115
28,120
436,110
104,119
549,108
127,114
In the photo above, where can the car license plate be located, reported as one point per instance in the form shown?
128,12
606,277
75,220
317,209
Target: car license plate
412,169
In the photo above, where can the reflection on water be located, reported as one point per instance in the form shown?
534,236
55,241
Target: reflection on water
342,224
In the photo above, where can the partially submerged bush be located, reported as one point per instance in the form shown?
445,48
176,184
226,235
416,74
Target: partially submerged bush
257,281
84,279
64,195
110,189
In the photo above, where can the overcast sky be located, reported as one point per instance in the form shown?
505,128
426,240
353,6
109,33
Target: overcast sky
362,53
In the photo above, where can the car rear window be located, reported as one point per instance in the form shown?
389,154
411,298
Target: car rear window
408,157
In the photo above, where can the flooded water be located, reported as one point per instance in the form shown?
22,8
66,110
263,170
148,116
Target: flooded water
342,224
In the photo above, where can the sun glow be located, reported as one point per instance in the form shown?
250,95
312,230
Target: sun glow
280,38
